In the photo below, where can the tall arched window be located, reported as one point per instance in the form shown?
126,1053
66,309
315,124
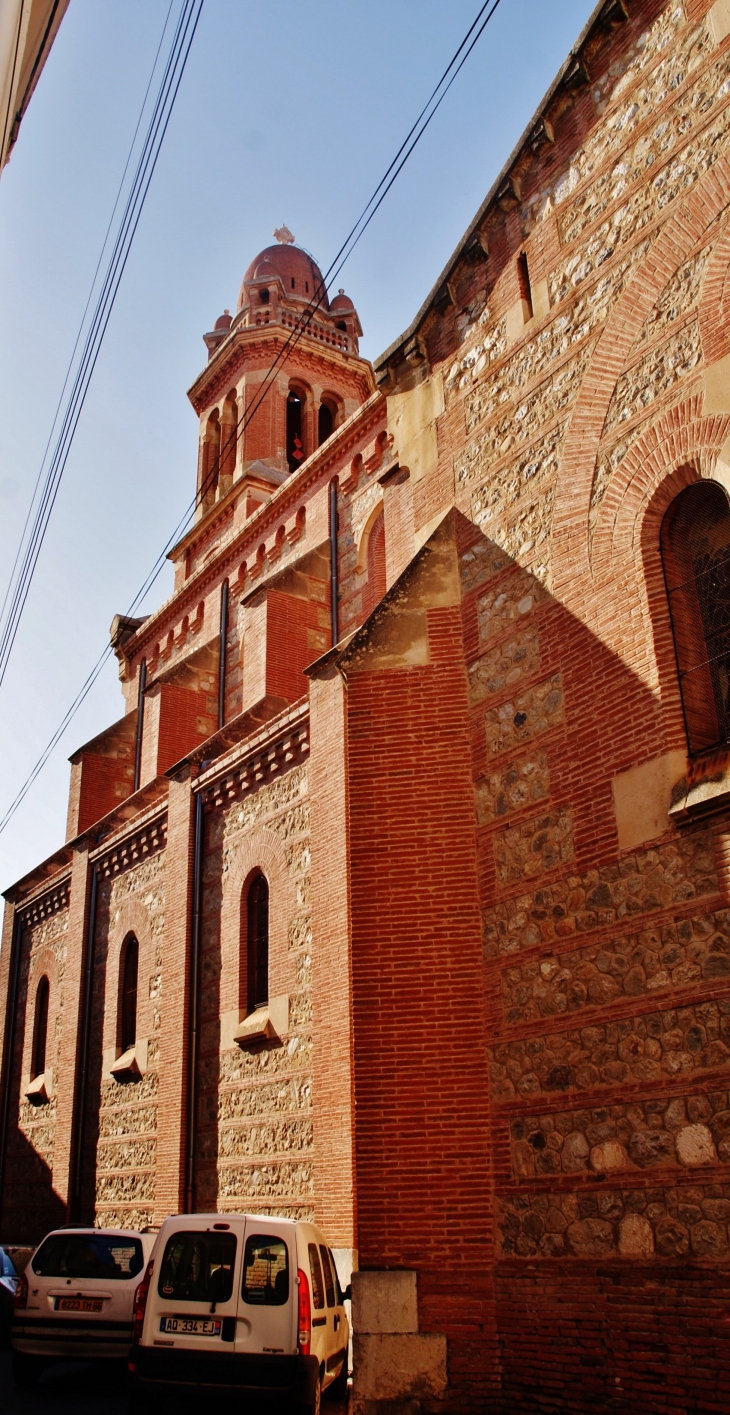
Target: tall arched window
326,418
258,942
40,1029
128,996
695,542
294,426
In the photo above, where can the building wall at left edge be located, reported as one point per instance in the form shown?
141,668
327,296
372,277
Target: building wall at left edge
27,32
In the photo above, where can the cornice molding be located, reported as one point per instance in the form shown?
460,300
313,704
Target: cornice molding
45,903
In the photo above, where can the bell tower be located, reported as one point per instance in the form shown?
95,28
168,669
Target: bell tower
283,373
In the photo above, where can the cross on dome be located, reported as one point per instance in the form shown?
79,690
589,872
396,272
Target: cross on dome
284,236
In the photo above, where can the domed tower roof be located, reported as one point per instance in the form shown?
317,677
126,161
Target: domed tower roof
342,304
299,274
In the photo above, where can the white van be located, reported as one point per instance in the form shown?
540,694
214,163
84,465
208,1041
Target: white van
243,1303
75,1299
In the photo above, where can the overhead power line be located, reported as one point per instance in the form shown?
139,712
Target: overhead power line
37,523
405,150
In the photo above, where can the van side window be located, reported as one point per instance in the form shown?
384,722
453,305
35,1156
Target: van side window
198,1267
338,1290
265,1271
328,1279
315,1267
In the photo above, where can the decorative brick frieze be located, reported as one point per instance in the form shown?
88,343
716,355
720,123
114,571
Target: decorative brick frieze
43,906
130,851
260,767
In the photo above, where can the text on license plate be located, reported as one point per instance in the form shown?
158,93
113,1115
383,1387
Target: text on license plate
79,1304
191,1326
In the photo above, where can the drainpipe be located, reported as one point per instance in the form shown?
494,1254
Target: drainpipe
223,656
83,1062
11,1011
140,722
195,935
334,577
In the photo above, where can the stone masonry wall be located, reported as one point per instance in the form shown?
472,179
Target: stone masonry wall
255,1145
122,1118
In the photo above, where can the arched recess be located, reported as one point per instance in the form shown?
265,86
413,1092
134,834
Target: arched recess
680,438
298,419
675,242
130,918
43,964
39,1046
714,310
259,852
371,559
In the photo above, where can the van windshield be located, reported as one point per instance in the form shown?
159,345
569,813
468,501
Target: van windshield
198,1267
89,1255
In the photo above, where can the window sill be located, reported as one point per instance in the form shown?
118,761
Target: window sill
700,798
38,1092
132,1064
267,1023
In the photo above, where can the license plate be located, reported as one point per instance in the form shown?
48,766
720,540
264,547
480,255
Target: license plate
191,1326
79,1304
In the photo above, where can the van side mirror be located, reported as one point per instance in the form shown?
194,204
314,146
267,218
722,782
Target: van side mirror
347,1294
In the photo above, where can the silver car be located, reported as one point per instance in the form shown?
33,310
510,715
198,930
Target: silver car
76,1297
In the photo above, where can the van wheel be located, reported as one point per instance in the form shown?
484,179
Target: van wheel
338,1389
314,1406
27,1370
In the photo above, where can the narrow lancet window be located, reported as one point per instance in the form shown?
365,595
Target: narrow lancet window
258,943
40,1029
128,999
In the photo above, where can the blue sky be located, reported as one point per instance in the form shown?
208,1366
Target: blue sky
289,111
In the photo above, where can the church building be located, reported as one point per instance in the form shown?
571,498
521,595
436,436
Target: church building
399,894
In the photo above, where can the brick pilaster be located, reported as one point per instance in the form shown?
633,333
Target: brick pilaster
332,1079
71,1001
171,1110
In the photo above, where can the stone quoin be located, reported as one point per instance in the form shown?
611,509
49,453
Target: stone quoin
399,896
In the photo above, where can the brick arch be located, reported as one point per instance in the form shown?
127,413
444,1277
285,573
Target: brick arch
714,310
673,245
262,851
40,963
130,917
681,438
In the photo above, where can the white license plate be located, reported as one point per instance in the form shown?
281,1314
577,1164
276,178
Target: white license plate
79,1304
191,1326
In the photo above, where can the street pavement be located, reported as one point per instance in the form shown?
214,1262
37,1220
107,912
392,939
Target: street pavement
83,1389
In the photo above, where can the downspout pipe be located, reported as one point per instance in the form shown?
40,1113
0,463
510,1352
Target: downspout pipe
334,572
195,937
11,1012
82,1075
140,722
223,656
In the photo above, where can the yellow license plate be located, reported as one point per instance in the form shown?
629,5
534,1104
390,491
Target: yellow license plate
79,1304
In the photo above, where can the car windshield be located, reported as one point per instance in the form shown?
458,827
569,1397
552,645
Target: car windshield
89,1255
198,1267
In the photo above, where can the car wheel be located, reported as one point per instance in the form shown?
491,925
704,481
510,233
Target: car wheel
27,1370
338,1389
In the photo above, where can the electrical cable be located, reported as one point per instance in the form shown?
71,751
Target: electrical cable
162,111
92,287
404,152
